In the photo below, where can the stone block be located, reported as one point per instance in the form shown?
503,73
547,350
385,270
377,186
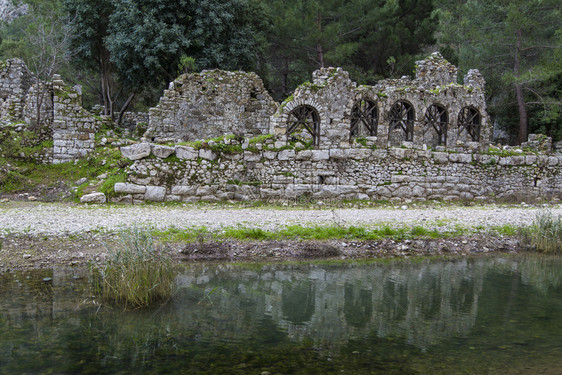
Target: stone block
122,187
186,153
93,198
155,193
206,190
318,155
359,153
270,155
399,178
304,155
137,151
530,159
441,157
162,152
338,154
252,156
506,160
403,192
207,154
184,190
124,199
173,198
286,155
464,158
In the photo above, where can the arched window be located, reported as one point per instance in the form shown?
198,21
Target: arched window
436,123
402,121
469,120
303,124
364,118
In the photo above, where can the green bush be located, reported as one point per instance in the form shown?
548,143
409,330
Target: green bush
136,272
544,234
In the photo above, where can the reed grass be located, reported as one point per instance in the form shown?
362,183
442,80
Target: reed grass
544,234
136,272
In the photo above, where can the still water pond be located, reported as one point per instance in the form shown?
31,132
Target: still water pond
480,315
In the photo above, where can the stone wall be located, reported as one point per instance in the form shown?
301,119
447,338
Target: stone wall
261,172
15,82
130,120
210,104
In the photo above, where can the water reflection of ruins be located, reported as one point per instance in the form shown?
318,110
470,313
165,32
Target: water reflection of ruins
423,303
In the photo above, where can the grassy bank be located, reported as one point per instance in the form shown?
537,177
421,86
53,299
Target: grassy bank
323,232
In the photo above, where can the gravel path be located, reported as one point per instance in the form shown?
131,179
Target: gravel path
59,219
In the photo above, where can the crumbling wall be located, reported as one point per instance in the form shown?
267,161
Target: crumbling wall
61,115
74,128
15,82
210,104
431,110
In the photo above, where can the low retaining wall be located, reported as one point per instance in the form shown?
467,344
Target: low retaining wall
183,173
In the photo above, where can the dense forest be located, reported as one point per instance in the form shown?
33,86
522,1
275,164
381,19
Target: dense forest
124,52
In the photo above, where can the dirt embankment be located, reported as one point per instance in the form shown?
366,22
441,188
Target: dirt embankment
24,252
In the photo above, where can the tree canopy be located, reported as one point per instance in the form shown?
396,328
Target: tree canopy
134,48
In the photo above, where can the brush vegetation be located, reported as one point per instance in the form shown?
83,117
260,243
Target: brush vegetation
136,272
544,234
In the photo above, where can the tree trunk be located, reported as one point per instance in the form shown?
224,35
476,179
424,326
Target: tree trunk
285,77
124,108
523,122
319,51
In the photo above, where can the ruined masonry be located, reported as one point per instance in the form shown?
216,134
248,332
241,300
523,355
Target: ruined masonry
73,128
401,139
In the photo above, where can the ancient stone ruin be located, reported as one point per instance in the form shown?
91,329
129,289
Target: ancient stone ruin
219,135
401,139
71,127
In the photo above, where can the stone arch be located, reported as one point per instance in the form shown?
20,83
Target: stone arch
469,122
364,118
303,124
436,124
401,123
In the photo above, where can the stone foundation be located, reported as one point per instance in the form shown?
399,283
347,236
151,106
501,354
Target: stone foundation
268,174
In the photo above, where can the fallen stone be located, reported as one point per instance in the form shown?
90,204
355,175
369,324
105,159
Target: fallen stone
93,198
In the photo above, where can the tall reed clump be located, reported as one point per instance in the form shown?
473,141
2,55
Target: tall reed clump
136,272
544,234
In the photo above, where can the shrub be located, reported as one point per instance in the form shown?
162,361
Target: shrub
544,234
136,273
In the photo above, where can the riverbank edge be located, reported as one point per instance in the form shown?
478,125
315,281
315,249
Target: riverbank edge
21,252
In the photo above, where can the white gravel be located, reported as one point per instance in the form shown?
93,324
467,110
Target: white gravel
59,219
